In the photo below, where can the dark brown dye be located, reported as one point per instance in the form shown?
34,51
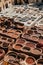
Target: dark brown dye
26,48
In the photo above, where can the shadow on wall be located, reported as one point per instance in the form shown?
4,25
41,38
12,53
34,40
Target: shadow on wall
19,2
38,5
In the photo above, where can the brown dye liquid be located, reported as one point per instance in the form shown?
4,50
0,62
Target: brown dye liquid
21,41
18,47
30,45
29,61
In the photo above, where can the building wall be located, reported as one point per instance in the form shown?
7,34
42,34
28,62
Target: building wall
5,3
35,1
29,1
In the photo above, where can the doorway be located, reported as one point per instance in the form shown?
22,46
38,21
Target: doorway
0,9
6,5
15,2
26,1
36,0
42,0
